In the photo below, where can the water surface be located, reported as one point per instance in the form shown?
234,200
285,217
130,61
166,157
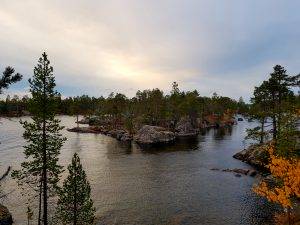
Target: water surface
169,185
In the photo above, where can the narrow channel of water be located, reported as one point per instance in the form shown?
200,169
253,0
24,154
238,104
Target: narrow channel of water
169,185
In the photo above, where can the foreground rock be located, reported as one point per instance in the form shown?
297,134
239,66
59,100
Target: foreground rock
184,128
256,155
149,135
5,216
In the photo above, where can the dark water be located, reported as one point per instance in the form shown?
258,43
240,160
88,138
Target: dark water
170,185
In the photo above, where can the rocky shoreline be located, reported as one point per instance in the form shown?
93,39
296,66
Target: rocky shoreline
119,134
255,155
147,135
151,135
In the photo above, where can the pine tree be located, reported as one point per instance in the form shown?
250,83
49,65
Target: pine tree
278,95
275,99
259,111
44,141
9,78
75,205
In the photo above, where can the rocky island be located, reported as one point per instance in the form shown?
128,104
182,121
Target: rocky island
149,134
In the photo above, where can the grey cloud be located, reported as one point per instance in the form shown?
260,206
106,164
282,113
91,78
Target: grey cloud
126,45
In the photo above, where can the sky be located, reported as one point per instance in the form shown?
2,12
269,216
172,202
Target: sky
97,47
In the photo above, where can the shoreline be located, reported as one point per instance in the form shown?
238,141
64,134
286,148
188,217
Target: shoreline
124,136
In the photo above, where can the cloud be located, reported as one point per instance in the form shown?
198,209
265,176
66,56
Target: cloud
101,46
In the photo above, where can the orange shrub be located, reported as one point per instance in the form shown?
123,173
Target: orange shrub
287,172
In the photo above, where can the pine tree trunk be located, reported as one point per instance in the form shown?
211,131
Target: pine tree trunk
274,122
40,203
262,131
279,113
75,201
45,200
274,127
45,211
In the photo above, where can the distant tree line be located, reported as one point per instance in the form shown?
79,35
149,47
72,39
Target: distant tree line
150,106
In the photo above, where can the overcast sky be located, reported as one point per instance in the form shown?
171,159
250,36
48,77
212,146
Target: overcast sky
97,47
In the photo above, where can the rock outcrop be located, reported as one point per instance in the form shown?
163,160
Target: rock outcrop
248,172
84,120
255,155
236,170
120,135
184,128
5,216
149,135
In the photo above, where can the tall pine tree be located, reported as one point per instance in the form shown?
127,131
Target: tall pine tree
275,99
75,205
278,95
44,141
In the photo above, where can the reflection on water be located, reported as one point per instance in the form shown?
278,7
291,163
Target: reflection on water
220,133
168,185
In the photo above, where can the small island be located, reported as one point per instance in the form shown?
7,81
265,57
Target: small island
151,134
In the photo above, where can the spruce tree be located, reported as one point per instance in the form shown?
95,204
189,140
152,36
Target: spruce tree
44,141
75,205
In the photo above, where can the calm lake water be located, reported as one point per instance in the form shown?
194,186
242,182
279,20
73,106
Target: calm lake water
170,185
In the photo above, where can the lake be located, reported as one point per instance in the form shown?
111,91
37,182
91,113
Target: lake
169,185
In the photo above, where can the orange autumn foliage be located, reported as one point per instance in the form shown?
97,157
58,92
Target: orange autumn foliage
287,172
